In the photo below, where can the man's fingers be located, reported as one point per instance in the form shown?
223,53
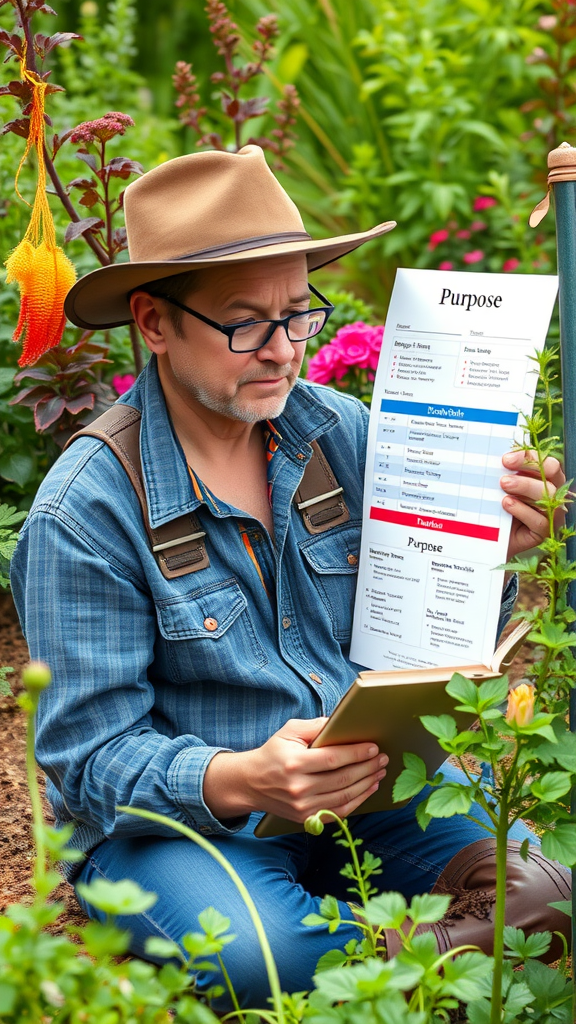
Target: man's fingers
534,523
341,779
330,759
528,488
527,463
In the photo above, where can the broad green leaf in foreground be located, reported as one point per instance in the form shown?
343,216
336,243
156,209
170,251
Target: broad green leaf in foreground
124,897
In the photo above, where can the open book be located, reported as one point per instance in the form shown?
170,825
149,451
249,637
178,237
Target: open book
385,708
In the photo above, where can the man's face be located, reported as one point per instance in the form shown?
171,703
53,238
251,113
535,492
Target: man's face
247,386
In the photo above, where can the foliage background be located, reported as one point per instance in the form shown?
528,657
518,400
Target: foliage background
410,109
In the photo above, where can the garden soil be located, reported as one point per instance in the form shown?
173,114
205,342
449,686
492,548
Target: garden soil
16,849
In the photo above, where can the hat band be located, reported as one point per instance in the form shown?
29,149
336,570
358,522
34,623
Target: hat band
259,241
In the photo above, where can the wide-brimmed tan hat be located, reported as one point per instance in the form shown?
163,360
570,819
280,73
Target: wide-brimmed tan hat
201,210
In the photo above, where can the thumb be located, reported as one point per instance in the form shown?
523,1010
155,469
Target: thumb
303,730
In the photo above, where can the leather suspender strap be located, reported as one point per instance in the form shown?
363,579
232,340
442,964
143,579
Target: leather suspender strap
319,499
178,546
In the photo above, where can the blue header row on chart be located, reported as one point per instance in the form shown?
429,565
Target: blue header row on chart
449,412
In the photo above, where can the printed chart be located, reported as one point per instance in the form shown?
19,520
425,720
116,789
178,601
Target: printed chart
455,379
437,467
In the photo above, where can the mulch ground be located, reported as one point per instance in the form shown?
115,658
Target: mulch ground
16,848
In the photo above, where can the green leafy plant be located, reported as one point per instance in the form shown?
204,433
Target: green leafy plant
230,83
68,388
8,538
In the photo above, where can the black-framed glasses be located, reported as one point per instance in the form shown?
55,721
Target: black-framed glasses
250,335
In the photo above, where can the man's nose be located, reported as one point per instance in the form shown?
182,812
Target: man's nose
279,348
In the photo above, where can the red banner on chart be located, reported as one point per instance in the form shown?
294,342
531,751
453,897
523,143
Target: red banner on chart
422,522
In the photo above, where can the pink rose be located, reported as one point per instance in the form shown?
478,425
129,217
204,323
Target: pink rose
510,265
323,366
122,384
473,257
437,237
463,234
483,203
446,265
352,342
375,343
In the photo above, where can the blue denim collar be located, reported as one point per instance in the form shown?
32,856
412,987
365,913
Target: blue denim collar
168,486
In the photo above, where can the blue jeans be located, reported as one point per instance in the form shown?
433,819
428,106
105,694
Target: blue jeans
287,876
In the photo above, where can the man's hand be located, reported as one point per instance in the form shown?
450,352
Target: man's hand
523,488
287,778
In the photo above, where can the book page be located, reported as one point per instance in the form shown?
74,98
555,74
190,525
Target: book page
453,382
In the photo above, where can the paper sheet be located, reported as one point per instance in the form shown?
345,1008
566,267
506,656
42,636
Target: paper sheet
453,381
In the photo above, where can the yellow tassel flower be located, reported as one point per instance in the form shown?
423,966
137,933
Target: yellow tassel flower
41,269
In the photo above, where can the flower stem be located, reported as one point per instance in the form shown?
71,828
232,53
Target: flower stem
271,969
37,816
499,912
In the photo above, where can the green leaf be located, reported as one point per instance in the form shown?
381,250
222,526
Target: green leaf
523,946
8,996
412,780
422,816
550,987
17,467
560,844
442,726
428,908
453,798
551,786
346,984
124,897
333,958
519,996
553,635
492,693
388,910
164,948
463,974
7,375
314,920
524,850
213,922
464,691
101,940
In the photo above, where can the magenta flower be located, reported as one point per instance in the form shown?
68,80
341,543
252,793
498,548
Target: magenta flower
437,237
323,366
446,265
483,203
122,384
463,233
473,257
510,265
354,345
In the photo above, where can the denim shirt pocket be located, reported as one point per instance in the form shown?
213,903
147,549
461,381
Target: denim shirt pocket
332,559
209,632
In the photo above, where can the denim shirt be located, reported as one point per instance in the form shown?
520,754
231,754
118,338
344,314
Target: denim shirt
143,693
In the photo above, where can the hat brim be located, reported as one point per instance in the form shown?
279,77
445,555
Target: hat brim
99,300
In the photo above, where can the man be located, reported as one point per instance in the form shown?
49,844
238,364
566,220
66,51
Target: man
190,674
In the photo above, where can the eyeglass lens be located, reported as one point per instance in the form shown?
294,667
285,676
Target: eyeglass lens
301,326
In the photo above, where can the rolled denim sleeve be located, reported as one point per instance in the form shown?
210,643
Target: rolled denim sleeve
95,625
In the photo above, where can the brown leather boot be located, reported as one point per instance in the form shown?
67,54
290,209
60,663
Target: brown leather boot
470,878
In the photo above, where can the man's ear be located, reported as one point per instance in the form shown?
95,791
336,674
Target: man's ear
148,314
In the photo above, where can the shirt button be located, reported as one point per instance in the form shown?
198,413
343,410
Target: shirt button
286,622
352,560
300,456
315,678
210,624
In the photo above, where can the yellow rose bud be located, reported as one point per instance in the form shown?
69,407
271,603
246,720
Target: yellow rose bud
521,704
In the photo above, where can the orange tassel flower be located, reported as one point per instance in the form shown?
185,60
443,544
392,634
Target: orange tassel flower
41,269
